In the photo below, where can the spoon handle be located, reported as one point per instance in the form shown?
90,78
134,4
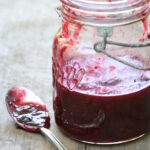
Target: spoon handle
53,138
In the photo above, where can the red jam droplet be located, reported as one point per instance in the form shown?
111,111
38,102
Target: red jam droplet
146,34
27,109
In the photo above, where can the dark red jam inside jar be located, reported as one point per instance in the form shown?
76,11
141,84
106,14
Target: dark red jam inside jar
102,97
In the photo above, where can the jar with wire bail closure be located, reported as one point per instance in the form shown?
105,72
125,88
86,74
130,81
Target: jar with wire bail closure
101,70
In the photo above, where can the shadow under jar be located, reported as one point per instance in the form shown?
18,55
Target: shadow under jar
101,70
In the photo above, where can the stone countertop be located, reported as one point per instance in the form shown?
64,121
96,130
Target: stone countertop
27,28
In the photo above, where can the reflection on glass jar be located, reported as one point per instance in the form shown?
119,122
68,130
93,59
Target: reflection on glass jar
101,70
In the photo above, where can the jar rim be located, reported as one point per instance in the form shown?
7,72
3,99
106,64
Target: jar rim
105,12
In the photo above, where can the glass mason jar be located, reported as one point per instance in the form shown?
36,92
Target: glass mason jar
101,70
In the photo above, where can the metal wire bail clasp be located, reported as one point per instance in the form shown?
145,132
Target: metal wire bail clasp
103,32
100,47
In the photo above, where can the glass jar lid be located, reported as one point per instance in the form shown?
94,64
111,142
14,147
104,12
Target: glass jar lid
105,12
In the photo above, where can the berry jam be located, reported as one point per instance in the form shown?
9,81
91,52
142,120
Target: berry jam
27,109
100,100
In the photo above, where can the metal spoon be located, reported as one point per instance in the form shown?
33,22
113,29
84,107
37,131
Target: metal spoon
30,113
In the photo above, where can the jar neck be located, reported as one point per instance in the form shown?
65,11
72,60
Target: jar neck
104,12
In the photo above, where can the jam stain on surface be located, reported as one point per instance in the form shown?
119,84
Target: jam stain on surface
27,109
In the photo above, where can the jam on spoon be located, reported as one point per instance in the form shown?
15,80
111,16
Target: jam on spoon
30,113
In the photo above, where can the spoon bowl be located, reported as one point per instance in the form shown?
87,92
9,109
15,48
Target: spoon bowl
27,109
30,113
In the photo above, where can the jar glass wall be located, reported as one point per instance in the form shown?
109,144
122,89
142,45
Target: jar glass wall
102,96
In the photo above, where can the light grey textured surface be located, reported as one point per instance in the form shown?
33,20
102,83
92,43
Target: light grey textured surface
27,28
